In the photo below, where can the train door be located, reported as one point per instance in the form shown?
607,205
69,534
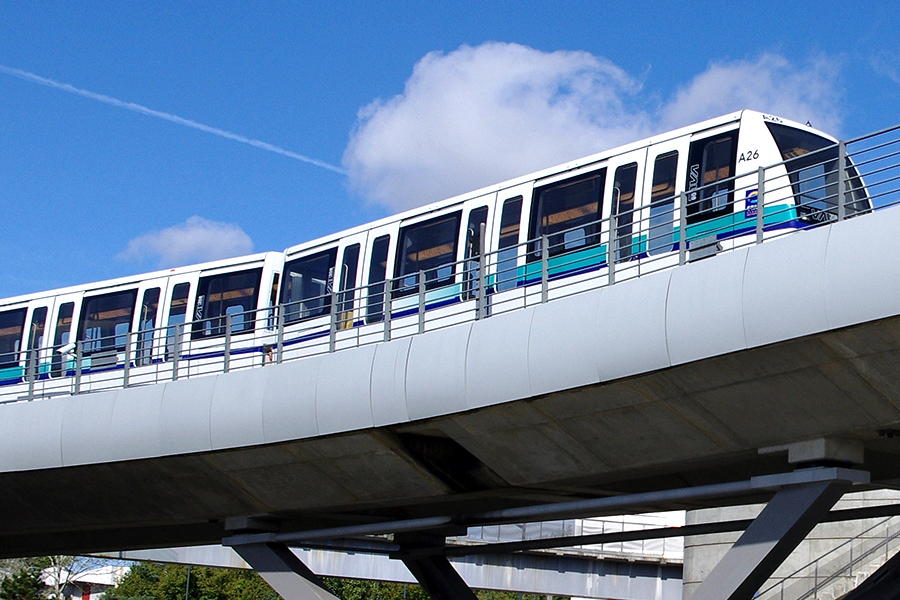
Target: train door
348,288
473,243
36,359
506,257
660,211
627,241
63,349
378,264
147,346
179,293
710,185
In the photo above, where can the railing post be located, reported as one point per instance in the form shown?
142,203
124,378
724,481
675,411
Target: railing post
613,253
842,180
176,350
126,366
760,205
332,331
227,365
33,359
481,292
79,353
545,269
682,229
421,301
387,309
279,342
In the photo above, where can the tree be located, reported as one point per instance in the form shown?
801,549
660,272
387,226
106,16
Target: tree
23,584
60,572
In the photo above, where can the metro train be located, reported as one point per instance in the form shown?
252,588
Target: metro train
635,208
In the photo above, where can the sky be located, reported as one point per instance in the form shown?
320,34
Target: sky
140,135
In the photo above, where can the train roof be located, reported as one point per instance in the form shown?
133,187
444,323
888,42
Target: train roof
734,117
132,279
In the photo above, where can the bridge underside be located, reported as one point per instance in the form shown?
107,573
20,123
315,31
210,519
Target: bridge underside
695,424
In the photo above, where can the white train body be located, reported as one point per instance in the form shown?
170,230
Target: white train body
611,216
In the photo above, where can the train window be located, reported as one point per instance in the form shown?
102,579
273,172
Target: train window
106,320
568,213
662,204
349,267
12,324
377,275
232,294
811,161
711,173
623,209
61,336
428,247
474,242
35,340
307,284
508,246
146,325
177,314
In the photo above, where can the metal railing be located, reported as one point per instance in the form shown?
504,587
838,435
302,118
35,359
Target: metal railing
804,192
840,564
667,548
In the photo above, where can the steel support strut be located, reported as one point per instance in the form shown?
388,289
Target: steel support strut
284,571
774,534
423,556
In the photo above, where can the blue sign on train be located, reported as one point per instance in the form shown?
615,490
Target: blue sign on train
750,203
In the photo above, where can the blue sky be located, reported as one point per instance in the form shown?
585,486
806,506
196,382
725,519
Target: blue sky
127,126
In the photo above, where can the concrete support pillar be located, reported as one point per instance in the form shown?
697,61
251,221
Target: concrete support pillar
284,571
773,535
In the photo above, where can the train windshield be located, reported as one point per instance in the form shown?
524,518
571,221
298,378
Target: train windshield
811,161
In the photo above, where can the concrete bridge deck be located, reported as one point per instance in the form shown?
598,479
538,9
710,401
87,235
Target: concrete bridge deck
672,380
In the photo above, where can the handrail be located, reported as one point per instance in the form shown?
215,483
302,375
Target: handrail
846,570
655,236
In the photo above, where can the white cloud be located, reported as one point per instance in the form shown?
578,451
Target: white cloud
479,115
195,240
773,84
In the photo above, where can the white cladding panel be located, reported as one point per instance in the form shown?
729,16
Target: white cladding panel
343,391
289,408
497,359
389,382
184,416
31,434
86,428
785,288
236,417
631,326
703,312
560,356
136,411
436,372
862,266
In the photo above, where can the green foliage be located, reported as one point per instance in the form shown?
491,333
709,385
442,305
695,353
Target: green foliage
359,589
148,581
24,584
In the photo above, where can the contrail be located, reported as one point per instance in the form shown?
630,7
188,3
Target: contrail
166,117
